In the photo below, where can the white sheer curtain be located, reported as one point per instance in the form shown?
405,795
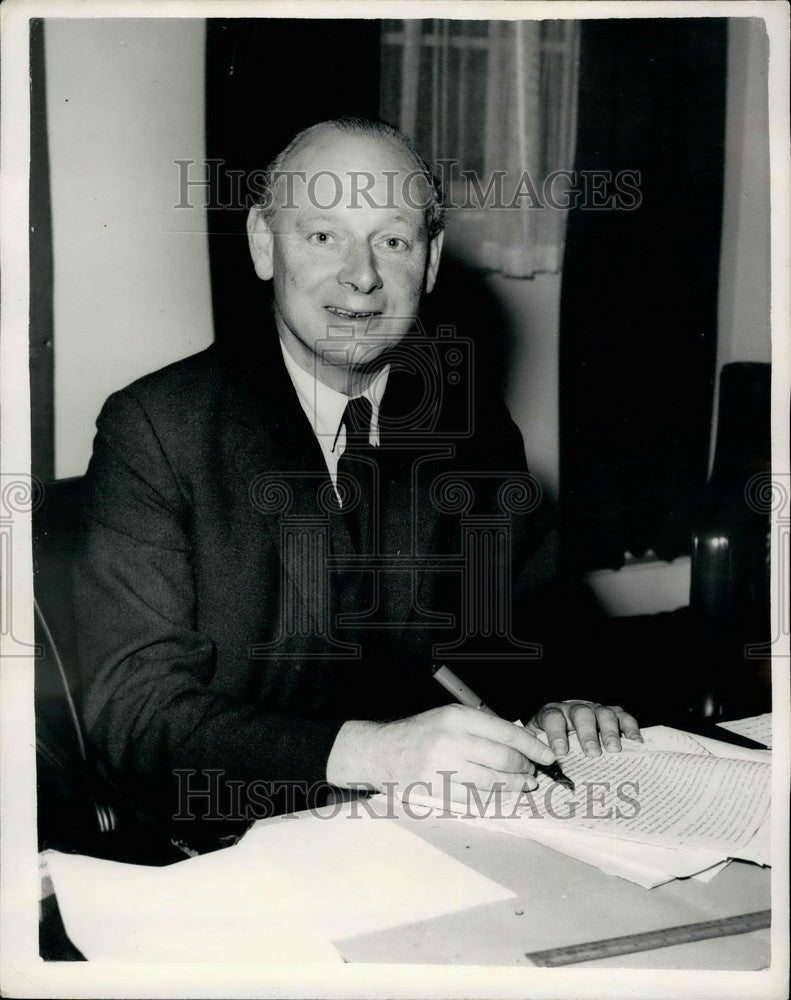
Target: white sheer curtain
497,100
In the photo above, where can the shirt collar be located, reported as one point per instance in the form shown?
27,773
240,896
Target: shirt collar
324,406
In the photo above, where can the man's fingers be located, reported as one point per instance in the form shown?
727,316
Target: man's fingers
498,730
552,720
609,728
488,780
497,756
583,718
629,725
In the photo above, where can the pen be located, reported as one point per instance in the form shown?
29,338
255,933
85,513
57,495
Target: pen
466,696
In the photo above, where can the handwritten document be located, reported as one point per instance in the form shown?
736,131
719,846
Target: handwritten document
659,797
674,806
757,727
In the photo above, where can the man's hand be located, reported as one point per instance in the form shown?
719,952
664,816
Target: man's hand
478,749
590,721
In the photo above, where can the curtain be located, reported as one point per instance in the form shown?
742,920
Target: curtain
492,106
638,320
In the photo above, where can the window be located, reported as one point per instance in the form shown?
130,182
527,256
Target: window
492,106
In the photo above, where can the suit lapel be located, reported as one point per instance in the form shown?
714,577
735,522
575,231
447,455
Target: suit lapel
285,476
278,458
410,452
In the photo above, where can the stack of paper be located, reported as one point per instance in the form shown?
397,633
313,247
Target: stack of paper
665,809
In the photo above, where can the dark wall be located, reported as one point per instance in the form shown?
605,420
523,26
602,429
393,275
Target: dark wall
265,80
639,302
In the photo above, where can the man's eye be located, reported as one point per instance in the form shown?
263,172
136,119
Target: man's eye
395,243
321,238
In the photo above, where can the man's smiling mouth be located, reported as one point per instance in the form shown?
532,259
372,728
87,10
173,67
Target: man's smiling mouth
351,314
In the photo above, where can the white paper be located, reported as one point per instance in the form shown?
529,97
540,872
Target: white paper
365,873
666,738
759,848
757,727
719,749
213,908
709,873
644,864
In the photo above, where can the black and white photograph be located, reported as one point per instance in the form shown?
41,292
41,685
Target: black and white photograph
395,505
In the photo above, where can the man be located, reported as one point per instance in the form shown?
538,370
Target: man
268,570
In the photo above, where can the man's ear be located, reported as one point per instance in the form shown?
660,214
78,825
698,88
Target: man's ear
434,254
260,240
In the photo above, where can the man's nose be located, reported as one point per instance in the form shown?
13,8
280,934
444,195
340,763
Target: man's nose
358,270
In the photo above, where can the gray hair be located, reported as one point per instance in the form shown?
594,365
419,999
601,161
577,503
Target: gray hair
434,207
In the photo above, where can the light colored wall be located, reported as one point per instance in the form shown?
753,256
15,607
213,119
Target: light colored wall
743,315
744,300
125,98
532,312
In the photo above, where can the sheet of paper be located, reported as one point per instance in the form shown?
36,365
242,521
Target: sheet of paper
719,749
759,847
757,727
666,738
659,797
709,873
213,908
365,873
645,864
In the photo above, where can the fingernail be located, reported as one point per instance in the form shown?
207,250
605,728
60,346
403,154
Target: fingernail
529,784
559,748
613,745
547,757
592,750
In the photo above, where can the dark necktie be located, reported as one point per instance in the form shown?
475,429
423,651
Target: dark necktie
357,472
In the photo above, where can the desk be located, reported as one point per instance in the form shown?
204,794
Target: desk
561,901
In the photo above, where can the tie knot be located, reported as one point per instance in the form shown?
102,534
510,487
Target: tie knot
357,420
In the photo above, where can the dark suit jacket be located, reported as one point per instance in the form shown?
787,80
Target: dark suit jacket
207,627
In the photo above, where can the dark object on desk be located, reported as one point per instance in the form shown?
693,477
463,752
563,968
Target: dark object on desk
715,732
54,944
729,589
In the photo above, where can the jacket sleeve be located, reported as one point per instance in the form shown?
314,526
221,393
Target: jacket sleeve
145,667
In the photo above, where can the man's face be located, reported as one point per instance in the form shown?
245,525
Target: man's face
347,251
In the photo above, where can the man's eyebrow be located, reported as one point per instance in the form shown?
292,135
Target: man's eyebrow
405,220
314,220
331,221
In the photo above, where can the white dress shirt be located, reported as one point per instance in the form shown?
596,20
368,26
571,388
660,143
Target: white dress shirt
324,407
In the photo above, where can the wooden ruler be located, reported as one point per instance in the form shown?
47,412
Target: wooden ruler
650,940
